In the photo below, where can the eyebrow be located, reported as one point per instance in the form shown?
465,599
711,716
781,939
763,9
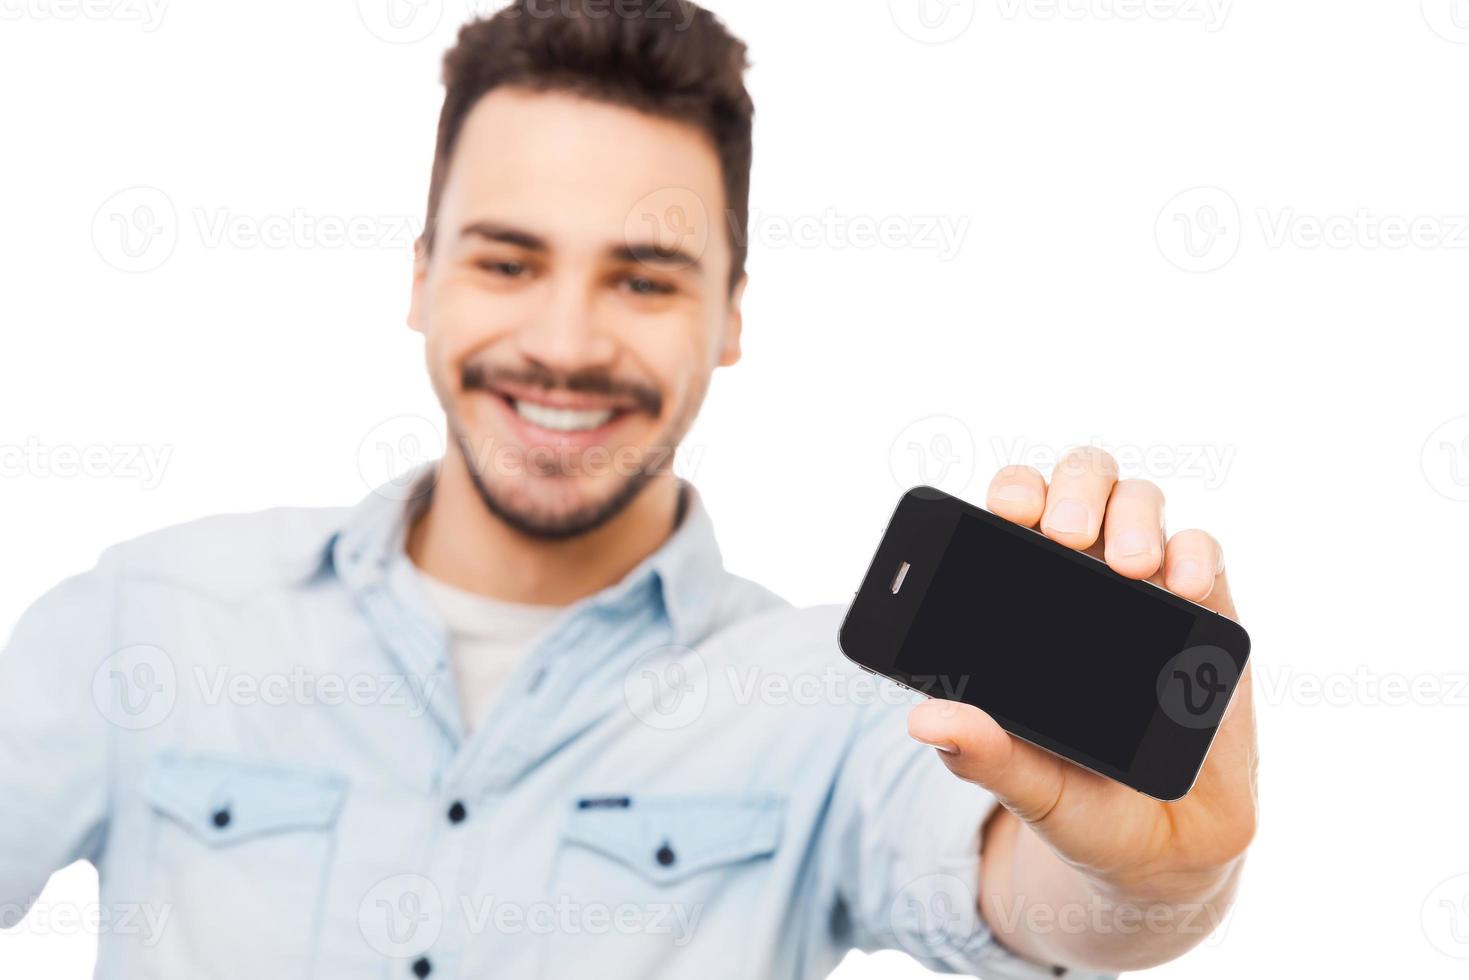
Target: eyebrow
490,231
657,255
646,253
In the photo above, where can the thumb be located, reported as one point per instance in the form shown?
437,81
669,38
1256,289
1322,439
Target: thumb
1025,779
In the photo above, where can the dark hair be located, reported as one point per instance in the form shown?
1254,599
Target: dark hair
669,58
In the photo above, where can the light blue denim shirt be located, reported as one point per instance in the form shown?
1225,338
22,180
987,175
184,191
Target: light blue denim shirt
249,725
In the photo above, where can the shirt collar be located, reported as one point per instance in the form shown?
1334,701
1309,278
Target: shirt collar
685,570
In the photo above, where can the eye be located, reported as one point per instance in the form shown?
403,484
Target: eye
509,268
643,286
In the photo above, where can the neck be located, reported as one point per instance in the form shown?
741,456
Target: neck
458,540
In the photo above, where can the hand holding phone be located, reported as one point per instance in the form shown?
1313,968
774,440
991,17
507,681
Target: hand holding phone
1105,701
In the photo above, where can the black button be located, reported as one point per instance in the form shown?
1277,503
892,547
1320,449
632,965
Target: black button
221,818
422,967
457,813
665,856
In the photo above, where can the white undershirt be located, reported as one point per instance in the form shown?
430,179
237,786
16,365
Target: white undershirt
488,638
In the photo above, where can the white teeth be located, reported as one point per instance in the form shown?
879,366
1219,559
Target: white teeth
562,419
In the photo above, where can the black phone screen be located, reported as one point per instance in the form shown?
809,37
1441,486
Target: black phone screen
1044,642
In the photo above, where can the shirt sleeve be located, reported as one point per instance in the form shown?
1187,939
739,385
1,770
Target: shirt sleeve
53,739
906,836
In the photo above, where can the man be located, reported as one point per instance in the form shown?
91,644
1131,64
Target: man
505,726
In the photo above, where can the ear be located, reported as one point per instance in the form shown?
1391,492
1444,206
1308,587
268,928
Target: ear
417,302
729,354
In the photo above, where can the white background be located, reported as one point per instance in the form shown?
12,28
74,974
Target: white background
1270,349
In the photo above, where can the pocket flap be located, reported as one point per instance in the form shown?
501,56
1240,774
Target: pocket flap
223,801
668,838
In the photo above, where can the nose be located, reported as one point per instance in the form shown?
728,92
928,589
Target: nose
564,335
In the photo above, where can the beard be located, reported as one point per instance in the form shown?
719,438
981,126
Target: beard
538,522
518,506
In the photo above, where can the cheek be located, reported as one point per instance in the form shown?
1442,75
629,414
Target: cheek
463,320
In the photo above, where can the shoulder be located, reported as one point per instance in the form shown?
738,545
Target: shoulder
228,556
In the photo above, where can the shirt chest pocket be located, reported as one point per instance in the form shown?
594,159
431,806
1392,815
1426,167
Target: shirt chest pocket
240,854
641,878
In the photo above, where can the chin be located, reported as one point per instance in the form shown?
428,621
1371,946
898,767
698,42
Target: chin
556,506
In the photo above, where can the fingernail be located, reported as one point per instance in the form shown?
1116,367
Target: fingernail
943,745
1069,517
1130,544
1189,574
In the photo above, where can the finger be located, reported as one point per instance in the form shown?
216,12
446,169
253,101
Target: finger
1018,494
1194,568
1133,528
1078,497
1026,780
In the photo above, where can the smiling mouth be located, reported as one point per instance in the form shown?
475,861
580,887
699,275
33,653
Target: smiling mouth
562,419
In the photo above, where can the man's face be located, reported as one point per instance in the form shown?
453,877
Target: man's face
575,303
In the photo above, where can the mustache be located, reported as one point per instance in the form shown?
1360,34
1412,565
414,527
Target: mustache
592,381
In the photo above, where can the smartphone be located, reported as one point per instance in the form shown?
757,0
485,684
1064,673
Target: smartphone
1119,676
